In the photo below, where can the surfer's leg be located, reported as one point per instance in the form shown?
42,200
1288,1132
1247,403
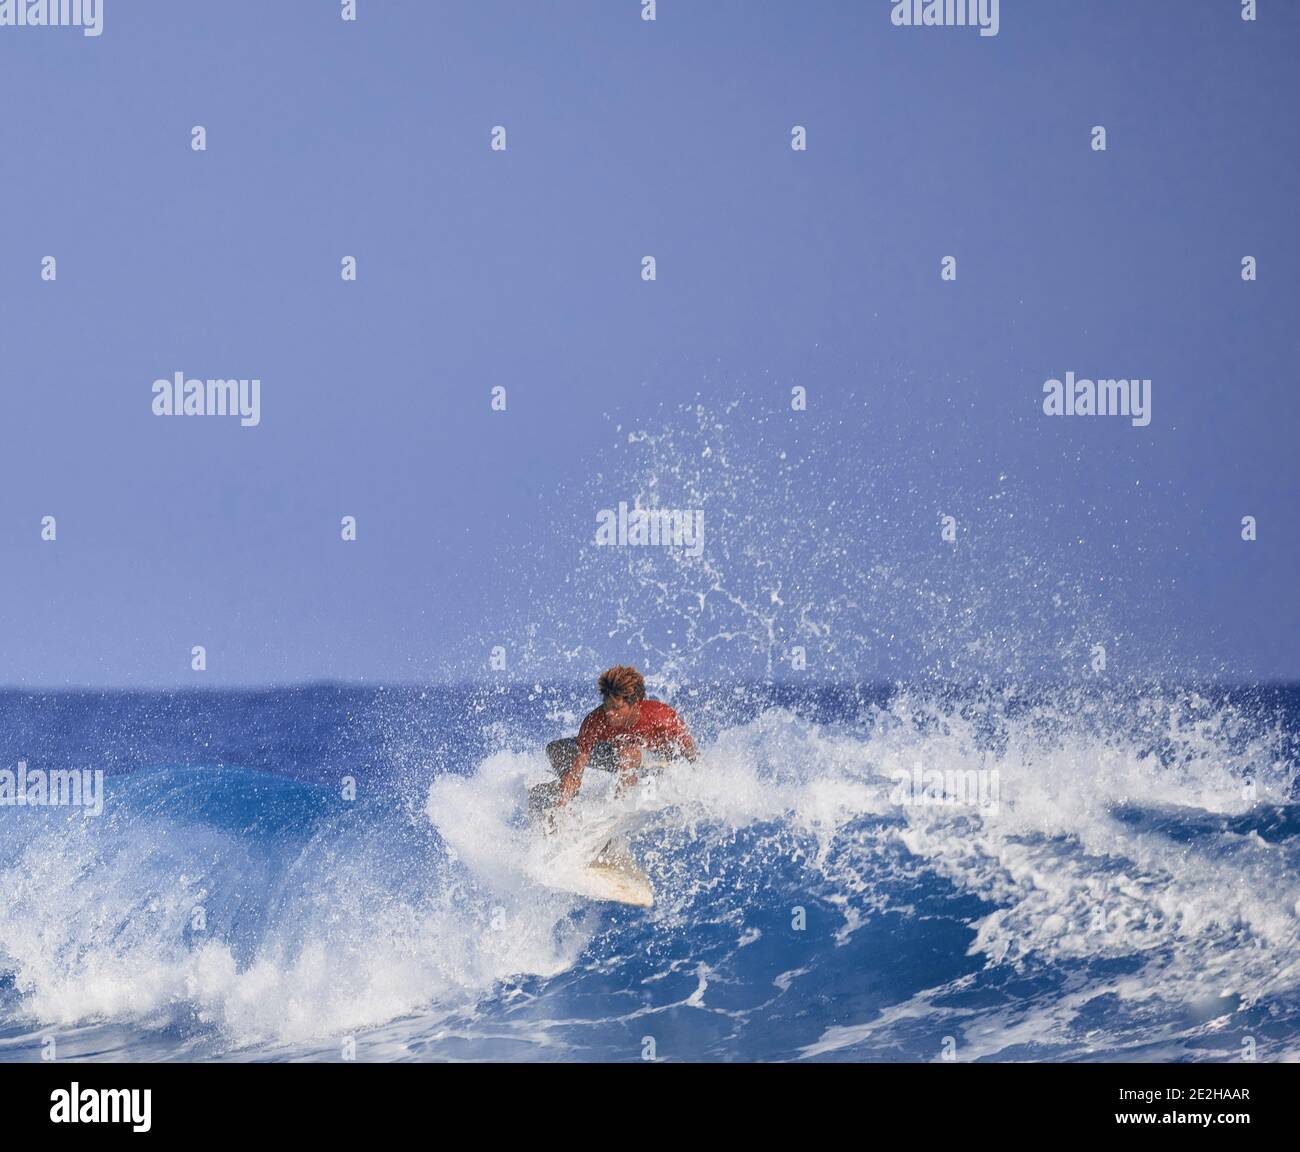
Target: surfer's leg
543,796
562,754
541,804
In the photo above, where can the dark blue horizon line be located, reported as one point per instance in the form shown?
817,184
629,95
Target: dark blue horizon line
585,686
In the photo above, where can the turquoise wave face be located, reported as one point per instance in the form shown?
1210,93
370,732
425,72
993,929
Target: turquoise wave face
844,875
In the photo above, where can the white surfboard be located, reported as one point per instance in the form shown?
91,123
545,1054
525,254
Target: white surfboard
613,876
620,881
571,860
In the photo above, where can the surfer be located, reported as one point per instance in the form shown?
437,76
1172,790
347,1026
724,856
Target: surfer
613,738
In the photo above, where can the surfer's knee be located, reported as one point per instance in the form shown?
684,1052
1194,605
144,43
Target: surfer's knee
562,754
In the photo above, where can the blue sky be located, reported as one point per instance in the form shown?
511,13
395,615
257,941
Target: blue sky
522,268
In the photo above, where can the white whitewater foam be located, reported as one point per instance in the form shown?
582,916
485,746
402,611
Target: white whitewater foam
94,921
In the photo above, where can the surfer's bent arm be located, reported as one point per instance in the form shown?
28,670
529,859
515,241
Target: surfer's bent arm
681,743
571,781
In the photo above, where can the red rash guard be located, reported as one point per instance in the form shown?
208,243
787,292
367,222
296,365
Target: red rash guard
657,728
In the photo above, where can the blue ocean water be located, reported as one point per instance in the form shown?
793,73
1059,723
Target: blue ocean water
1081,875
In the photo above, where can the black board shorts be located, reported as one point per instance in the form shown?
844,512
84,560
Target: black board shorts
563,754
604,756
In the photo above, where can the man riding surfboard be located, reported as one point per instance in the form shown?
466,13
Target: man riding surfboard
613,737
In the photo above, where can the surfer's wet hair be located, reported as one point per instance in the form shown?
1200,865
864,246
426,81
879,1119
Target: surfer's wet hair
622,681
